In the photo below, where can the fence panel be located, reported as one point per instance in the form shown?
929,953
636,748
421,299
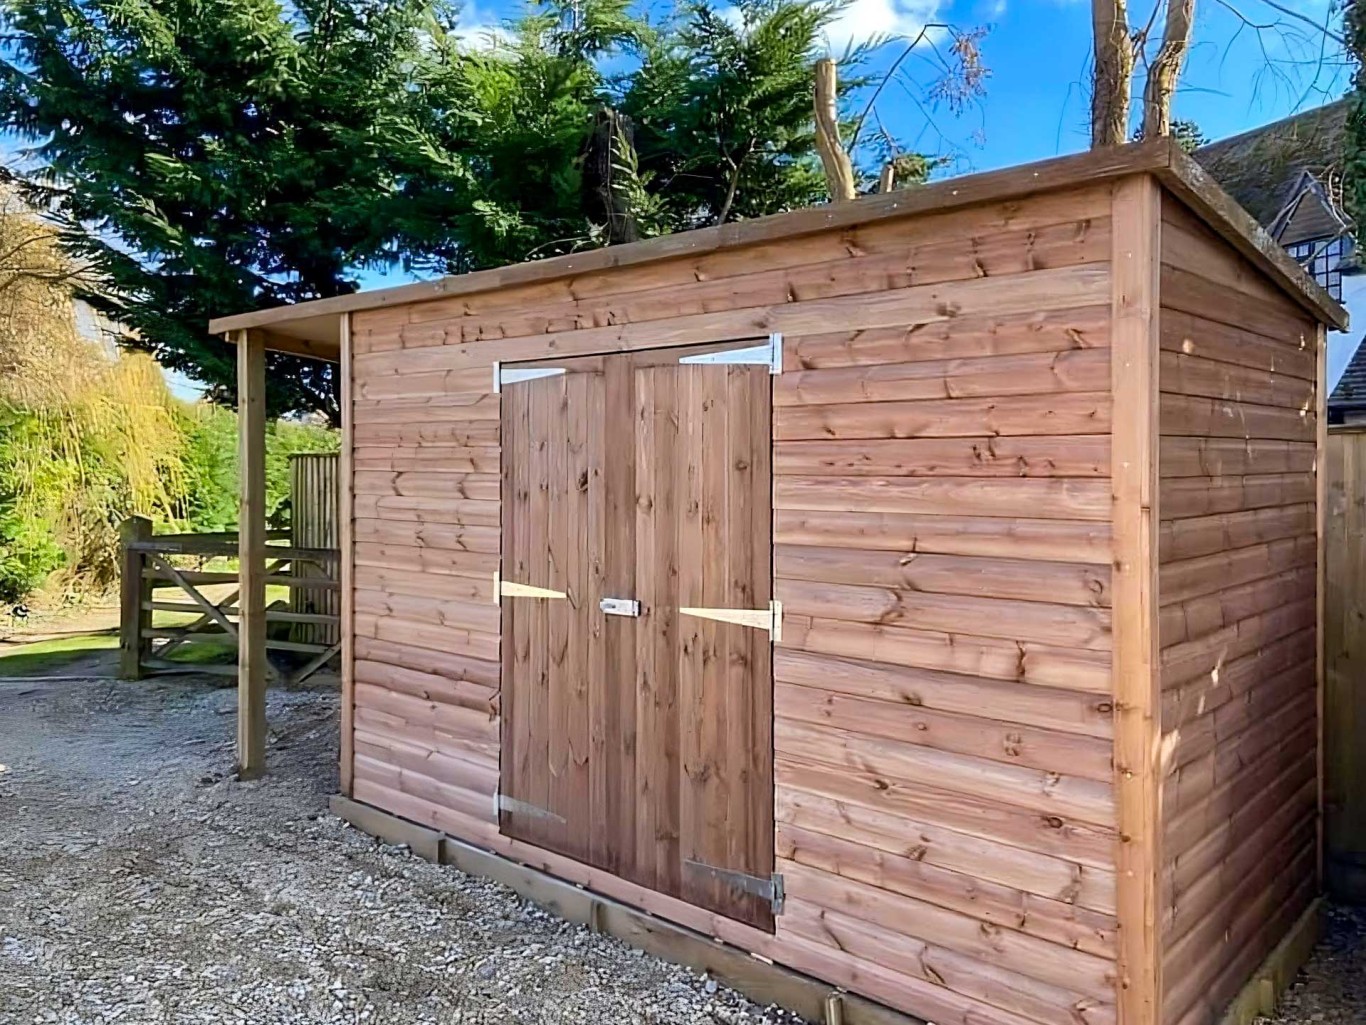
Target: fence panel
1344,712
315,498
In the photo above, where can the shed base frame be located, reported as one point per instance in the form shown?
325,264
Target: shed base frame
1261,993
757,978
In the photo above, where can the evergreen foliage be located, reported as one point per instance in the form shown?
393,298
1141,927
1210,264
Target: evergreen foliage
1354,141
214,156
718,100
724,108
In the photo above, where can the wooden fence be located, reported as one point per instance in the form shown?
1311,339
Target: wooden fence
1344,711
314,498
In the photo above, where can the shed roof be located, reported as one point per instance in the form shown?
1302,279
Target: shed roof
314,328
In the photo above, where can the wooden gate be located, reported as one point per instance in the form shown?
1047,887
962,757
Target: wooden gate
638,620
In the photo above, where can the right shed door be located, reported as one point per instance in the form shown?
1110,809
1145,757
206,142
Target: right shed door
678,763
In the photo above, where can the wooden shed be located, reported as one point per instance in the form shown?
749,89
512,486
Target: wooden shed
911,601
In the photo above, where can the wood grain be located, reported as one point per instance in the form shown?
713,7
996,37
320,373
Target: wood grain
1238,554
1134,455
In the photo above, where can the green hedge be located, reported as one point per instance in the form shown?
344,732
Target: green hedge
68,478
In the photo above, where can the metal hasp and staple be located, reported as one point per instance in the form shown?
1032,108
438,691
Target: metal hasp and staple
620,607
770,889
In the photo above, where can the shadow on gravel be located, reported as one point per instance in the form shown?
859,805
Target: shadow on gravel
1332,987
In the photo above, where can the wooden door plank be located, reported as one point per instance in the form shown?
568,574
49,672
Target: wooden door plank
755,402
611,659
513,698
725,681
705,710
659,565
571,645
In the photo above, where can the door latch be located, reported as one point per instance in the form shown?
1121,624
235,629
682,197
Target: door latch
620,606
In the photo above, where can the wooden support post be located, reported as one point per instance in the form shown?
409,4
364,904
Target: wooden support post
251,552
1321,584
135,591
346,552
1135,268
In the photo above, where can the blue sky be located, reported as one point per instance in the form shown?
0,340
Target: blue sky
1039,52
1035,106
1039,55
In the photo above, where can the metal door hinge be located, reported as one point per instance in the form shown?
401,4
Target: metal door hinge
511,375
770,619
770,889
620,606
508,589
502,802
769,353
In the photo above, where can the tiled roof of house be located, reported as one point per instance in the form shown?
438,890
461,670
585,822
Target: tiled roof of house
1261,168
1350,391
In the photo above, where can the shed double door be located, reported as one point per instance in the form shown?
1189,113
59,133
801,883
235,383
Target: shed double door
637,692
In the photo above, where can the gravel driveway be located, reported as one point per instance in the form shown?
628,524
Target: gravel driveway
140,883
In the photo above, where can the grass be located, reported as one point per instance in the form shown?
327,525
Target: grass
51,655
206,652
46,656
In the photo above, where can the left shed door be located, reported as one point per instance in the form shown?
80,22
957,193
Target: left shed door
552,556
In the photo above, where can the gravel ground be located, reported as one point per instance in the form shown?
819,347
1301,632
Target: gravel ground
140,883
1332,987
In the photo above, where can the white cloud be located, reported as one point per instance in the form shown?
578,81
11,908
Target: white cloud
479,29
865,19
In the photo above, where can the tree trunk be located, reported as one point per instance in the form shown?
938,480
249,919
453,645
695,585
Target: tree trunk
839,173
1113,73
608,168
1166,69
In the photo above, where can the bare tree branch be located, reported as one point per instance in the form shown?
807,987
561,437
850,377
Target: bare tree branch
1320,27
882,82
1165,69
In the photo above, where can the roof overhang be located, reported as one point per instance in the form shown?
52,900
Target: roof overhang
314,329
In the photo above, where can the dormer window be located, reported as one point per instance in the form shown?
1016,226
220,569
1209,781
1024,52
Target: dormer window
1323,258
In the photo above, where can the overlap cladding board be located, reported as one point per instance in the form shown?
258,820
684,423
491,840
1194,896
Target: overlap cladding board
945,818
1238,551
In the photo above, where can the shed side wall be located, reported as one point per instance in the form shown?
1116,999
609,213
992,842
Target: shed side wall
945,816
1237,617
